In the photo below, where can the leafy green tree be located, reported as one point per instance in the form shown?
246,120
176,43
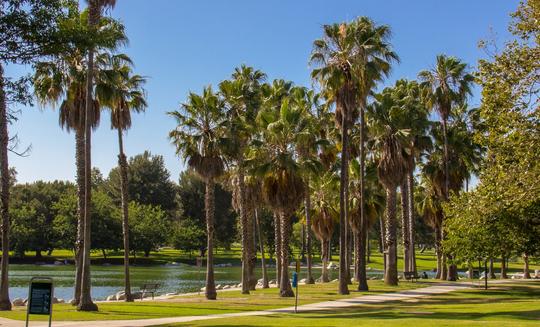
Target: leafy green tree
148,182
29,29
191,190
148,227
188,236
199,139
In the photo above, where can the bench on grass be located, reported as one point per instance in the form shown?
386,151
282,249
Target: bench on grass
150,288
410,276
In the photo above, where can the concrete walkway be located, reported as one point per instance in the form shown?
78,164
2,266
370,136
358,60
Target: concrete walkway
328,305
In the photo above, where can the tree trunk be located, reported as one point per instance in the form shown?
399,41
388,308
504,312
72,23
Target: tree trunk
246,246
252,253
261,245
122,164
309,279
382,241
526,272
491,270
5,303
277,245
391,275
412,215
303,244
343,204
85,302
210,290
405,225
324,257
503,268
362,274
285,289
438,253
79,243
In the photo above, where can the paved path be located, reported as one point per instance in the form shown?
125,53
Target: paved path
328,305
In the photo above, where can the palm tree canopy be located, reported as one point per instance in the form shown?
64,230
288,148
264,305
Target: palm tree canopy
448,83
200,135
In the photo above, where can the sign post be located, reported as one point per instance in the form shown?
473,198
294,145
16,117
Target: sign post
40,298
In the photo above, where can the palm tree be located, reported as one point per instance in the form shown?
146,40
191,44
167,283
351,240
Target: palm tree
242,96
324,189
199,138
65,80
409,96
274,160
307,150
122,93
351,59
390,140
95,8
450,84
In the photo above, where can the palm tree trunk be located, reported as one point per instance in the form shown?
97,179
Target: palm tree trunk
245,229
85,303
412,215
252,252
122,164
261,245
452,270
391,275
285,289
491,269
405,225
309,279
503,268
343,201
79,243
5,303
526,271
210,290
439,273
382,240
324,257
277,246
362,274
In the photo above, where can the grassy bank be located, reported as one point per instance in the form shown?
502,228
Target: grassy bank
227,302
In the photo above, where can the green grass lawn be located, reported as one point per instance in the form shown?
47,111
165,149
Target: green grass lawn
516,304
228,302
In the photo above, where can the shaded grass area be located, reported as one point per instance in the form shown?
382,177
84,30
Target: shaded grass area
516,304
228,302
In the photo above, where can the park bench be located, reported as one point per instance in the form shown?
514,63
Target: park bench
150,288
410,276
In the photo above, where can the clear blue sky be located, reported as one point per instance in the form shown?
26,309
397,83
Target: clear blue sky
185,45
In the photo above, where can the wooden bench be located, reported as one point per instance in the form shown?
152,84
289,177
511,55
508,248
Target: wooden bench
410,276
149,288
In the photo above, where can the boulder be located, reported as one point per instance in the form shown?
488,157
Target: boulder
111,297
226,287
18,302
303,280
373,278
332,265
120,296
171,294
239,285
203,289
537,273
219,287
71,301
335,280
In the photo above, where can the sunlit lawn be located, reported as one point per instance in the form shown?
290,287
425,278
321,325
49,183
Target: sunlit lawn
228,302
516,304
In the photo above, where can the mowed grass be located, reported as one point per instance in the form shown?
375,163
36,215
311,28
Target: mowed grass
227,302
516,304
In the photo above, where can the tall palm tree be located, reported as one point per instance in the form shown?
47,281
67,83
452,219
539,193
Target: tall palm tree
123,93
199,138
351,59
65,80
450,84
95,8
307,150
242,96
324,189
274,159
390,139
408,94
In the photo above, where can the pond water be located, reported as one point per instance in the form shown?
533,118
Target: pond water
107,280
